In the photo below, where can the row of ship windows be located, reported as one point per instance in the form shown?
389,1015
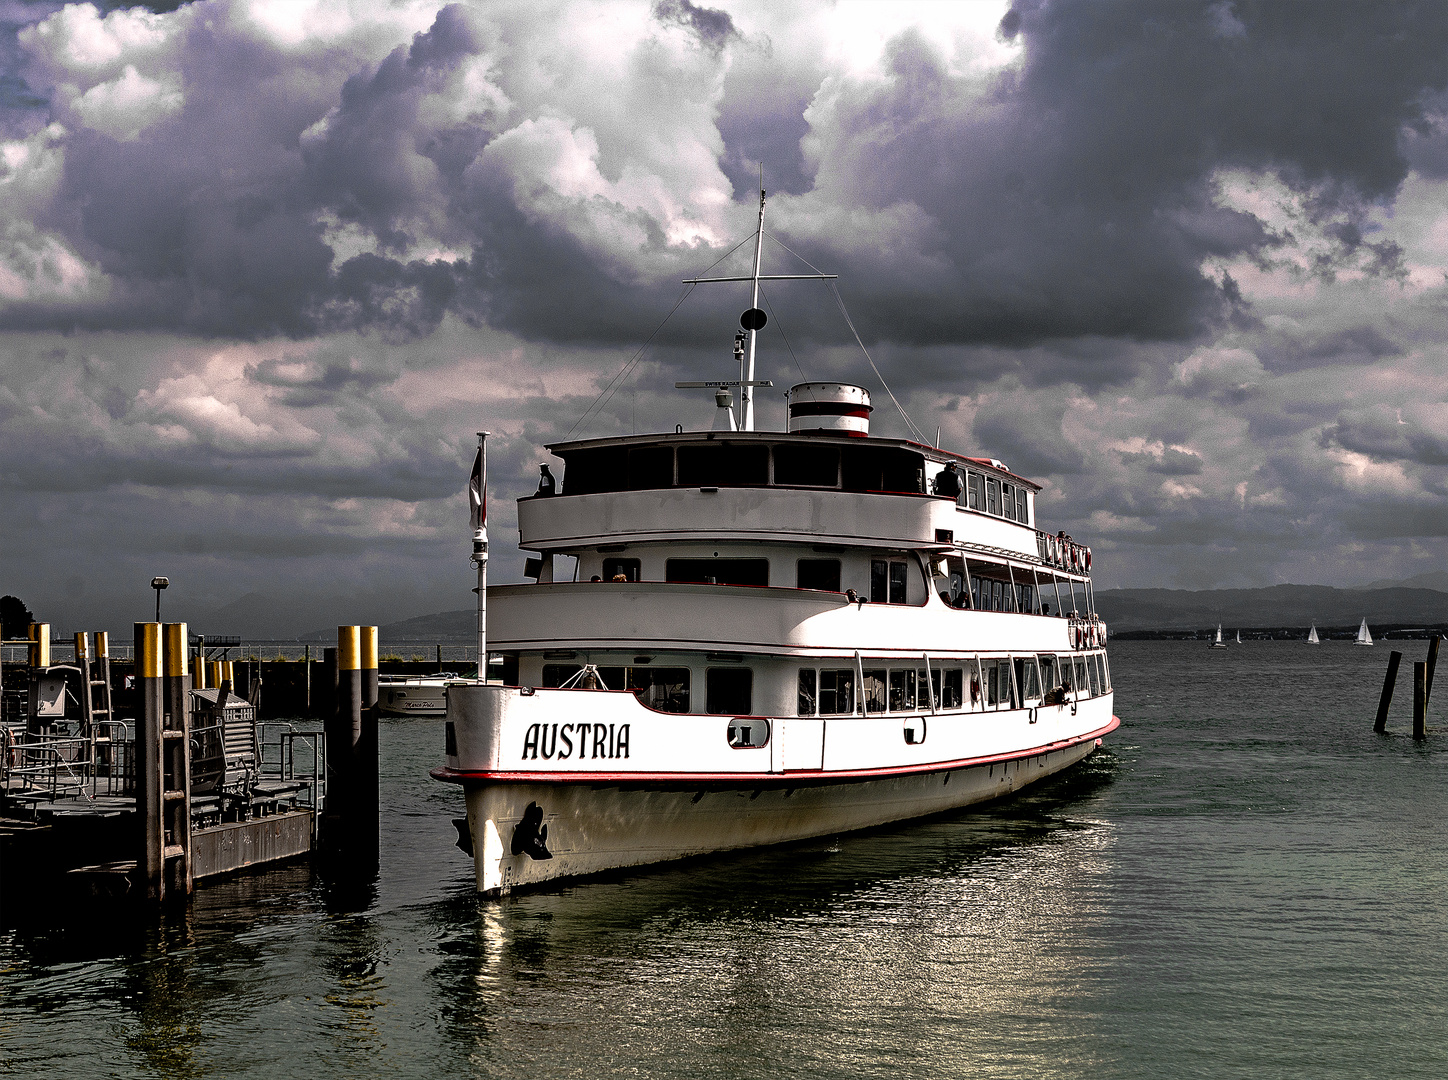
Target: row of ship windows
1004,683
888,581
851,468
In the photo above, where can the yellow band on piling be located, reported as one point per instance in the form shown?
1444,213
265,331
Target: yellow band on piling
82,645
228,673
40,644
103,645
147,648
176,643
198,677
349,648
214,673
369,647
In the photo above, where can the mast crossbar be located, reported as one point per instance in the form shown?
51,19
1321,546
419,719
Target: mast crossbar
763,277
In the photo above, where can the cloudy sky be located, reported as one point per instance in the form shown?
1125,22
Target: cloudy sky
267,265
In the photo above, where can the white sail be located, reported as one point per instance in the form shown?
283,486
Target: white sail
1312,636
1239,637
1363,637
1218,643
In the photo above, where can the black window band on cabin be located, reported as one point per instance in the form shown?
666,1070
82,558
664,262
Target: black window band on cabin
828,408
717,571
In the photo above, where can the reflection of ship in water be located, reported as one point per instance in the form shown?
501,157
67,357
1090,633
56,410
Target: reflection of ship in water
848,932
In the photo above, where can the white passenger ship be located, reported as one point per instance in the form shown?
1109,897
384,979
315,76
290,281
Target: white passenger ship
766,636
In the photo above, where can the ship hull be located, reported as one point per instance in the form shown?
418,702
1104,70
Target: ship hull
593,828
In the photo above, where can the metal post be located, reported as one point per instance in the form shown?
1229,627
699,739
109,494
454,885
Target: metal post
307,678
746,391
1420,700
150,687
480,550
1389,681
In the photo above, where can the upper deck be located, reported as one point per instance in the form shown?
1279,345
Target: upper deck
773,486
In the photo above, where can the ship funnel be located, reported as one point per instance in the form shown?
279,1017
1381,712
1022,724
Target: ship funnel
838,408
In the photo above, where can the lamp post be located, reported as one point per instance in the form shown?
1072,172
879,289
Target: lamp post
159,583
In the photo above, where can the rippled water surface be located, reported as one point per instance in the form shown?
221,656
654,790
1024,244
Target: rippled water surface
1244,882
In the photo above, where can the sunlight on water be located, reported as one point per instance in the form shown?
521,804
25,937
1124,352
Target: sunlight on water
1244,882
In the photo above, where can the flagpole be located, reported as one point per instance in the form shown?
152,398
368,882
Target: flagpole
478,497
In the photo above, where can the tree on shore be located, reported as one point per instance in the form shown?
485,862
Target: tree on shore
15,617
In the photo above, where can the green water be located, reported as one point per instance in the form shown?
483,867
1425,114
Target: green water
1246,882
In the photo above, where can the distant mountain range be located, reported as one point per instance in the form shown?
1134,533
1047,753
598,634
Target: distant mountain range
1277,606
1416,600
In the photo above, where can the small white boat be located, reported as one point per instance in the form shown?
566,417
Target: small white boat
1312,636
1239,637
1363,637
1218,643
424,695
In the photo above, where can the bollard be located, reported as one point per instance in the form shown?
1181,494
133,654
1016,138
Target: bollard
1432,664
1420,700
40,644
150,688
1389,681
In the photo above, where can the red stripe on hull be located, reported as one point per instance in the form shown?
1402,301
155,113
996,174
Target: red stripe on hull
453,776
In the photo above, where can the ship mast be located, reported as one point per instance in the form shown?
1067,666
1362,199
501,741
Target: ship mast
752,321
746,392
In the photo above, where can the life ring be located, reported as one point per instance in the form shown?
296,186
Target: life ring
1088,559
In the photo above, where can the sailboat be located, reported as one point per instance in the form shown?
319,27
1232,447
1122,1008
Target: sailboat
1239,637
1218,643
1312,636
1363,638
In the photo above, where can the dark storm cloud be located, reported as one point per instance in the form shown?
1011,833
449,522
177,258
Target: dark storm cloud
1384,434
1073,198
714,28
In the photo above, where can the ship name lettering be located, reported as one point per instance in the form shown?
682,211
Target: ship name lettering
550,740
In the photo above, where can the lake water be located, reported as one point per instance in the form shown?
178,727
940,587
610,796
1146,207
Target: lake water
1245,882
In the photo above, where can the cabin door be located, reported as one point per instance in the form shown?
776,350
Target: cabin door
801,743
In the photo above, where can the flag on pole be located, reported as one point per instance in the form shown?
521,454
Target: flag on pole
478,492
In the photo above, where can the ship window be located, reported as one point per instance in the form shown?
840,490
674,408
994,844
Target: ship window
873,691
806,705
1048,672
718,571
819,574
902,690
650,467
887,582
947,696
1023,506
716,465
612,678
992,495
870,468
729,691
587,472
1008,501
662,688
1028,678
613,568
837,692
807,466
975,493
1083,680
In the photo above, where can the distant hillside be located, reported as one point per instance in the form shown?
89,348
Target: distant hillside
1278,605
436,627
1433,579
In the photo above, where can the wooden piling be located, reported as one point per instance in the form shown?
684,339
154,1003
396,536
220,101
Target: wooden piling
367,805
176,761
1389,681
150,689
1432,665
1420,700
